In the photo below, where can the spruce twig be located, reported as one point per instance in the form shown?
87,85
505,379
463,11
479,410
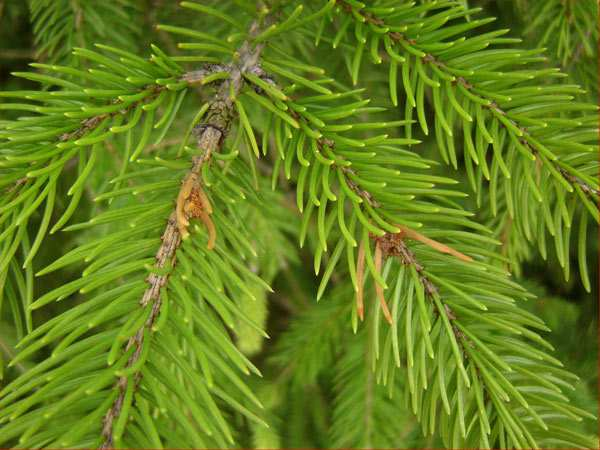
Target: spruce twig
211,135
430,59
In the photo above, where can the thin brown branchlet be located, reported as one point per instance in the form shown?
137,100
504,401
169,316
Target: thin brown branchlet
325,144
428,58
574,180
88,125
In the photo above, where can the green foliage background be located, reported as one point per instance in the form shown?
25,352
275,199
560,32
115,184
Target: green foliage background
317,388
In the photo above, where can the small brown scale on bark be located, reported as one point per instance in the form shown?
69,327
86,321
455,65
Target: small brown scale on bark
393,244
193,203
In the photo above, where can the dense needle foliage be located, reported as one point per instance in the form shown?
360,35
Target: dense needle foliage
278,224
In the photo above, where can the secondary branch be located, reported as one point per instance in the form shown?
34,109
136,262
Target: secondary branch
428,58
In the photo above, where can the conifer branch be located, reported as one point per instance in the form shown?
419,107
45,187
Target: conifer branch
428,58
210,136
165,322
88,125
165,256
